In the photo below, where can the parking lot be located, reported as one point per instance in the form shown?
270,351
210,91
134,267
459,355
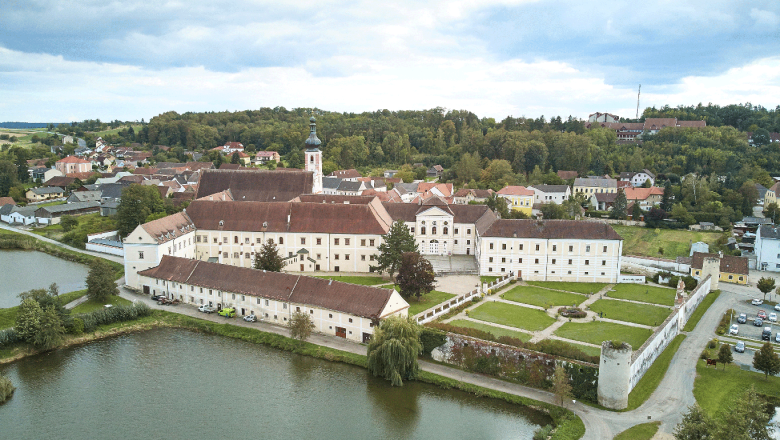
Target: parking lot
748,330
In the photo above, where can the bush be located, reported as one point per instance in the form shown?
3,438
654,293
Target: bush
705,354
113,315
77,326
543,432
725,321
431,338
713,343
572,312
6,388
8,337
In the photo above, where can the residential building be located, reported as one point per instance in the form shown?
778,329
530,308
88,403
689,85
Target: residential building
44,173
351,175
518,198
632,131
567,175
51,215
61,181
13,214
767,248
639,178
435,171
341,309
594,185
603,201
256,185
466,195
646,197
84,196
771,194
732,269
603,117
230,148
390,173
73,164
551,193
7,201
263,157
551,250
44,193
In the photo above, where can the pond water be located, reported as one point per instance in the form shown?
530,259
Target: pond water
21,271
176,384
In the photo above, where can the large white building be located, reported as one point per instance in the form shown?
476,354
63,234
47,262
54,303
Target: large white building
551,250
768,248
346,310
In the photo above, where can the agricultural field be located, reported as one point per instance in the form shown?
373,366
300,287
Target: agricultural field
674,242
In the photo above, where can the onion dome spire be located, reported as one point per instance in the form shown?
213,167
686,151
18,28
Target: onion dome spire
313,142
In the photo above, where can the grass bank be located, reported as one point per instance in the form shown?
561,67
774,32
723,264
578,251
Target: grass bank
514,316
717,388
701,310
91,305
600,331
675,242
654,375
645,431
644,293
644,314
14,240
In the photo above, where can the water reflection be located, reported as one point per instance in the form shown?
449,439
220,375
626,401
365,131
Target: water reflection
22,271
397,408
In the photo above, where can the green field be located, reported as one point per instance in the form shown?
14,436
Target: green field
363,281
136,128
703,306
542,297
427,301
675,242
654,375
716,388
644,293
631,312
598,332
645,431
569,286
513,316
91,306
496,331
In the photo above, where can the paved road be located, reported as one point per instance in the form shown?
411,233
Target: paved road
667,404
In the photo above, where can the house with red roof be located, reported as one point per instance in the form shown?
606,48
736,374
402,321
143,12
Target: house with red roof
518,198
73,164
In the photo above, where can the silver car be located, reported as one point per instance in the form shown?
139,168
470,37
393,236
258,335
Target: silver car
734,329
740,347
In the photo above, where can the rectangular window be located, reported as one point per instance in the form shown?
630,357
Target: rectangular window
605,248
536,261
362,258
246,240
371,258
490,259
362,241
468,231
284,306
571,248
468,241
235,254
140,255
319,241
215,239
266,302
521,246
456,241
319,256
587,262
520,261
350,319
210,292
346,256
587,248
303,241
569,262
411,229
259,240
503,246
234,296
336,241
503,260
224,254
554,248
235,239
490,269
330,315
224,240
371,241
346,242
491,245
553,261
456,230
258,300
336,256
281,240
197,239
603,262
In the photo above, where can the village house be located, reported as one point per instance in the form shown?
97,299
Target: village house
518,198
351,175
263,157
73,164
44,193
646,197
466,195
567,175
639,178
23,215
603,117
551,193
230,148
767,248
551,250
344,310
732,269
51,215
594,185
435,171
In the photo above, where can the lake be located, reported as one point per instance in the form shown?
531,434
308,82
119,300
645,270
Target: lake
176,384
21,271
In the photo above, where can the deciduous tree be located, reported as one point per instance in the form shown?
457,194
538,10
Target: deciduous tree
28,319
269,258
724,355
300,326
393,350
745,419
136,204
100,281
50,331
695,425
766,360
396,242
561,385
415,275
765,285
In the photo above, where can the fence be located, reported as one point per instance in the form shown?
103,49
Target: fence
442,308
497,284
636,279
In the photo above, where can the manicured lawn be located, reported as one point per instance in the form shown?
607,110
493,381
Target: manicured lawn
598,332
675,242
8,315
514,316
91,306
652,378
569,287
631,312
716,389
644,293
496,331
542,297
427,301
363,281
703,306
645,431
487,280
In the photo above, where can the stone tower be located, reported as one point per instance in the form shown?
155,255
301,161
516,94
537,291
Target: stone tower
711,266
313,157
614,375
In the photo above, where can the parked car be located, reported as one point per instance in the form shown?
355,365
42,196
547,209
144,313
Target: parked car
777,337
742,318
734,330
740,347
205,308
761,314
766,335
157,297
777,307
758,322
250,318
757,302
773,317
227,312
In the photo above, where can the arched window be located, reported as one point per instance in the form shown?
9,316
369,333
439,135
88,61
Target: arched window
446,230
422,230
433,230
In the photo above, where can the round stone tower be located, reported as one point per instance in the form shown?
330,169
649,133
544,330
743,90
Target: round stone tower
711,266
614,375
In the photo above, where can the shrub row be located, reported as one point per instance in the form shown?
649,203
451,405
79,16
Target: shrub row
725,322
548,346
90,321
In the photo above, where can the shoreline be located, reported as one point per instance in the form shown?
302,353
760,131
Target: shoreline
568,425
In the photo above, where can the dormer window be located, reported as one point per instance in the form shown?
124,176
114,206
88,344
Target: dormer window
221,222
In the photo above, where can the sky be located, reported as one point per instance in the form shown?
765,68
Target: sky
70,60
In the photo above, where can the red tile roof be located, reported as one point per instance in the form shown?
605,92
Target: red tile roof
346,174
552,229
7,201
256,185
353,299
642,193
73,159
516,191
728,263
170,227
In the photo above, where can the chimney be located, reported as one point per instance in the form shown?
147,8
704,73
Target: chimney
720,254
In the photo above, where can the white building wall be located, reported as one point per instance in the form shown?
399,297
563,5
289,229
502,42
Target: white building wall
767,253
142,252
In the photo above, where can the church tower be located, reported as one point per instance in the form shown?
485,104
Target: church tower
314,157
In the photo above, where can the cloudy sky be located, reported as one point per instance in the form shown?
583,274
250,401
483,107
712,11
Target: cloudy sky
130,59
